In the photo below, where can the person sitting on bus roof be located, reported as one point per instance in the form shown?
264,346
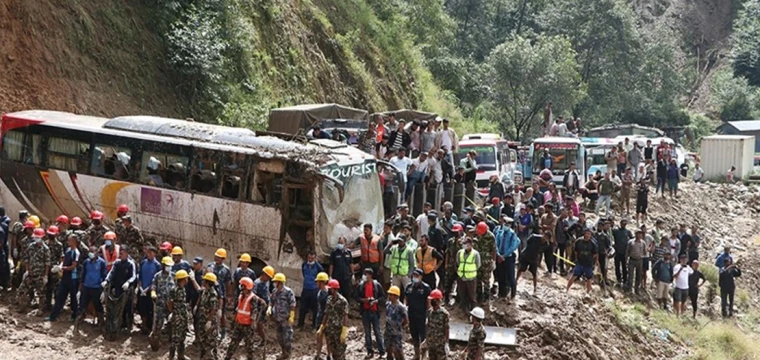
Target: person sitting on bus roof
317,133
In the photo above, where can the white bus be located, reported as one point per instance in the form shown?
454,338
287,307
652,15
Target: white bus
196,185
495,156
561,152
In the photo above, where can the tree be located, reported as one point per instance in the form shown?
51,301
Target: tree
524,75
733,97
746,44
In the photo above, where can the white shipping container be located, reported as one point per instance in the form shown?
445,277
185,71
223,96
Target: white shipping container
719,152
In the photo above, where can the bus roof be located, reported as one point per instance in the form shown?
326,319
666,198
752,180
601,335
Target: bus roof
556,139
494,137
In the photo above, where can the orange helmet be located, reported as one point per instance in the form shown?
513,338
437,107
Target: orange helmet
481,229
29,225
63,219
96,215
109,235
122,208
52,230
333,284
76,221
38,233
247,283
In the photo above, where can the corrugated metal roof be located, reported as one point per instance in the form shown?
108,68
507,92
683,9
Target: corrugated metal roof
745,125
727,137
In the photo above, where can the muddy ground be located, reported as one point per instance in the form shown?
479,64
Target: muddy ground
551,324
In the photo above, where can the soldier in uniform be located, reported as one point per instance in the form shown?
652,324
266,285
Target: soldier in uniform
208,324
178,309
486,246
17,233
453,245
163,283
223,284
37,266
335,321
97,229
246,314
396,318
20,243
322,294
118,223
182,264
283,309
437,340
56,256
476,342
243,271
131,237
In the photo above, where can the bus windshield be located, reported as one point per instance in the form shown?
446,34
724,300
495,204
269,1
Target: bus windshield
485,158
559,156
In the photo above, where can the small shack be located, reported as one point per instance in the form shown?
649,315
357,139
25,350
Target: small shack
719,152
292,119
745,127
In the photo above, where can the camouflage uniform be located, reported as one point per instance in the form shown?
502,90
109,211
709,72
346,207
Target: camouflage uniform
486,245
132,238
394,331
38,258
56,253
209,302
118,228
476,341
95,235
244,333
436,339
335,309
179,319
282,301
163,283
452,248
22,243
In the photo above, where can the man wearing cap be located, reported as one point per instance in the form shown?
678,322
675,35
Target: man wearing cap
69,284
401,262
453,245
223,284
149,269
429,259
476,341
621,236
369,294
371,250
193,294
468,263
417,299
56,256
493,212
402,214
97,229
507,244
132,238
340,266
309,269
36,261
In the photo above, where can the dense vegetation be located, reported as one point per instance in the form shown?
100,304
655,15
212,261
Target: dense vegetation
493,62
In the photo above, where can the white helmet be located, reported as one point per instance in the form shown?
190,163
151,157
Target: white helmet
478,313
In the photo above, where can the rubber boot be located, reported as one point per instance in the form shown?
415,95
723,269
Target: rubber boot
171,352
416,352
181,352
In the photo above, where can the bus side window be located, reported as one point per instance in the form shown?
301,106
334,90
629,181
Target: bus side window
21,147
154,170
267,187
204,174
67,154
111,161
233,173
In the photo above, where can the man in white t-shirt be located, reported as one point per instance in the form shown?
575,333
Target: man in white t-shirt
447,137
681,274
698,173
422,225
418,172
401,162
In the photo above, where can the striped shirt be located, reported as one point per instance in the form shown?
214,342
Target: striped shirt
659,252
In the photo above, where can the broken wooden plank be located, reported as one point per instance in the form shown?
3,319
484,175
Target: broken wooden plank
494,335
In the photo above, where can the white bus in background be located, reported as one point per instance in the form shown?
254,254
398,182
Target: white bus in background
495,156
562,151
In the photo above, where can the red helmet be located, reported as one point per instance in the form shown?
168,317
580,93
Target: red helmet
495,201
436,295
457,228
96,215
333,284
481,229
38,233
52,230
76,221
63,219
166,246
29,224
123,208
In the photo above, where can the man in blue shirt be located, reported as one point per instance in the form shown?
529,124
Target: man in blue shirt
69,284
507,244
309,269
148,269
5,269
721,259
93,274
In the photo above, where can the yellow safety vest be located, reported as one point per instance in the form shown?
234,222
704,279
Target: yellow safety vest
400,261
426,261
467,269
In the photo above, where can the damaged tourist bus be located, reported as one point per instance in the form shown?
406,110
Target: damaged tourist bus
199,185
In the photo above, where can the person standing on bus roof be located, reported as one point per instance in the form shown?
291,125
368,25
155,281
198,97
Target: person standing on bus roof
97,229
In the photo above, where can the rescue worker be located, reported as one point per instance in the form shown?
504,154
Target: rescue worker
208,322
223,284
468,263
453,245
62,222
36,264
429,259
149,267
245,315
402,262
165,250
178,315
396,319
97,229
35,219
90,289
162,284
387,237
120,278
282,307
5,268
371,250
54,276
322,294
182,264
437,340
243,271
437,240
335,322
476,342
110,250
309,269
486,247
69,280
20,243
131,237
369,295
75,227
118,223
261,288
17,233
417,294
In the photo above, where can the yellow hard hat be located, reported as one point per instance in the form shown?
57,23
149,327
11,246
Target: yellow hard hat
394,290
210,277
167,260
35,219
182,274
322,276
177,251
245,258
269,271
221,253
279,277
